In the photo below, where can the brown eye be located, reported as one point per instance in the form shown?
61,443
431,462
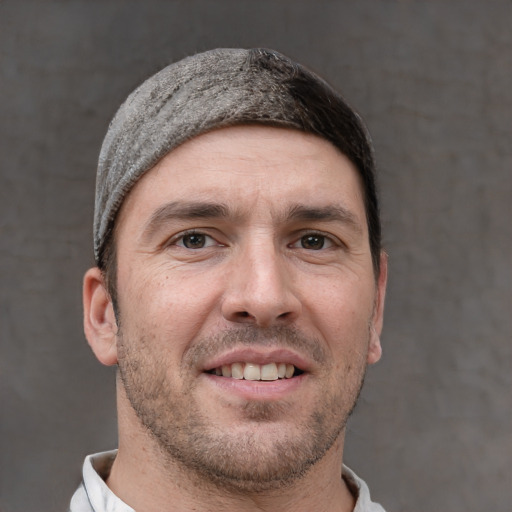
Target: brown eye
312,242
194,241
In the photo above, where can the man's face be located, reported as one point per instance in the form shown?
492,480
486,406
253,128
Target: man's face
245,252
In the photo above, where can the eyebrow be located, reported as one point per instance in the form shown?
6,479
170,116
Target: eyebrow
185,210
328,213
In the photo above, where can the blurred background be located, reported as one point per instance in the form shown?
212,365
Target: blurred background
432,79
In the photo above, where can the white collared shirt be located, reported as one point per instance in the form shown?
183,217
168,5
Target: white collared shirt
93,495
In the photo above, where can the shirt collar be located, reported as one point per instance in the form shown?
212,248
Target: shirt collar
95,471
97,467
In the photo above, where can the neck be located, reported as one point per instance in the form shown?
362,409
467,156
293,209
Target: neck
144,478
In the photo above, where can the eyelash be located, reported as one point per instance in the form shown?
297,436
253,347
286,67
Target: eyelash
330,239
181,236
178,240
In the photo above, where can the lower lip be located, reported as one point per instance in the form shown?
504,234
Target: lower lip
256,389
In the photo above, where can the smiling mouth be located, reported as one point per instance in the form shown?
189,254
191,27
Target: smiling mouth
260,372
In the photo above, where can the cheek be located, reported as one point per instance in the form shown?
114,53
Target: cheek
164,305
341,312
340,298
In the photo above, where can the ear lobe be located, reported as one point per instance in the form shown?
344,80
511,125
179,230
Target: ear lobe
374,347
100,324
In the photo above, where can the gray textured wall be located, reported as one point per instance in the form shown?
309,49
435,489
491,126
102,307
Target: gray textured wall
433,79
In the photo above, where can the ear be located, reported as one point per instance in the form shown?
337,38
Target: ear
375,348
100,324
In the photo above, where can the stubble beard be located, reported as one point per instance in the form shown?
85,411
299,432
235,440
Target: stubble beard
259,455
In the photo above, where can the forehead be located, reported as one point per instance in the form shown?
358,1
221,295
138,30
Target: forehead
250,167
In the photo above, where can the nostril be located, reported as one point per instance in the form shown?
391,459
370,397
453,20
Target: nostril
242,316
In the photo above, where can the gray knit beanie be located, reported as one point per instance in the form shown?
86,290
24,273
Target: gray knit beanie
215,89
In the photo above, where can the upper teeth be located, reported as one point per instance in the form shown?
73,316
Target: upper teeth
252,371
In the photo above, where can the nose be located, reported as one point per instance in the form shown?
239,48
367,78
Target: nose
260,288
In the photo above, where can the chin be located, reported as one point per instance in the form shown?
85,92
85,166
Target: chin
253,455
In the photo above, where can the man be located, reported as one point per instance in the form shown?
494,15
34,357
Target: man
239,288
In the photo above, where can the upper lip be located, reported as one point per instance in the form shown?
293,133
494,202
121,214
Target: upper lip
261,356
